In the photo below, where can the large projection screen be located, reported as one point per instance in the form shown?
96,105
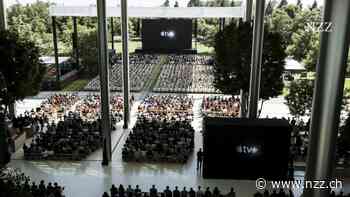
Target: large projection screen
166,34
246,149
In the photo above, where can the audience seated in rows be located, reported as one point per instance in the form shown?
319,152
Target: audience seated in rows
70,139
163,131
220,106
141,69
186,73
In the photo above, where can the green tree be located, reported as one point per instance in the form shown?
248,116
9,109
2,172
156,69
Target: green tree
32,22
233,47
87,45
291,21
299,98
20,66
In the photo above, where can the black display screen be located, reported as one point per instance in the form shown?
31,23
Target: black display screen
166,34
246,149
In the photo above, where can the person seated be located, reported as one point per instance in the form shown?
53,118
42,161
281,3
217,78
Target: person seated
167,192
137,191
207,192
153,192
176,192
105,194
114,191
184,192
121,191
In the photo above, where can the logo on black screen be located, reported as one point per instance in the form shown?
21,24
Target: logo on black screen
167,34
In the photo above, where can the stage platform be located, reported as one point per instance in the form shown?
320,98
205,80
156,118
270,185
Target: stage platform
164,51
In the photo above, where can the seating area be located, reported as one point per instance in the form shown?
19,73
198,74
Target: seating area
167,107
55,106
163,131
220,106
70,139
88,107
190,74
185,78
141,69
179,73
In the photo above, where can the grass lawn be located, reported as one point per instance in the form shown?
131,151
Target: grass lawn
76,85
201,49
347,83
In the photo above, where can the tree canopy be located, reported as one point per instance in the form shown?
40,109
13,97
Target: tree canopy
87,46
291,21
299,98
20,66
233,47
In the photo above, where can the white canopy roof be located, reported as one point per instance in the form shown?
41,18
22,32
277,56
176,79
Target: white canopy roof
293,65
152,12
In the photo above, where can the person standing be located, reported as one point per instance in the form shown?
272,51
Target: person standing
199,159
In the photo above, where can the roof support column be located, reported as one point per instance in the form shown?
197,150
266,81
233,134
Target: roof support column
3,19
256,61
55,48
328,93
104,81
75,41
126,83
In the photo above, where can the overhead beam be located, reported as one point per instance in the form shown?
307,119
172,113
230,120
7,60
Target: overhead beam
328,94
152,12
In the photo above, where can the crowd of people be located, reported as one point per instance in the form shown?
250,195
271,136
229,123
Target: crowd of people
185,78
55,106
17,184
122,191
179,73
190,73
69,139
220,106
166,107
88,107
129,191
10,189
141,69
163,131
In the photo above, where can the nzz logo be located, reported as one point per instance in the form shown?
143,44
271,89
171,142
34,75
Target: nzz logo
319,27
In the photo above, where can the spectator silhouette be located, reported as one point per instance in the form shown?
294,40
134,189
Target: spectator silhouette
199,159
232,193
153,192
176,192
